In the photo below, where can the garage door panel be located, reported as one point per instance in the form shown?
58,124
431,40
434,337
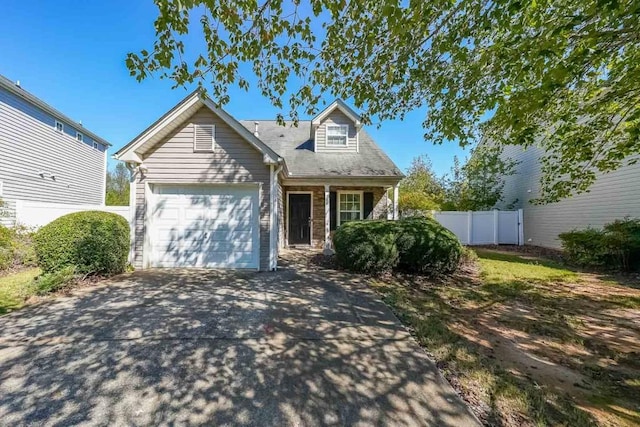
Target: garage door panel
196,226
218,259
224,246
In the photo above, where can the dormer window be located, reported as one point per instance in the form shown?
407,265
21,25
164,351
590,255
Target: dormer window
79,136
59,126
337,134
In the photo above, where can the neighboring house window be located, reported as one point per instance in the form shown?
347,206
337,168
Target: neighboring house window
95,145
204,137
59,126
337,134
79,136
349,207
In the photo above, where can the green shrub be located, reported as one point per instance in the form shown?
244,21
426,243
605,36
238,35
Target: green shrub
93,242
23,252
366,246
51,282
419,245
615,246
6,248
426,247
623,241
585,247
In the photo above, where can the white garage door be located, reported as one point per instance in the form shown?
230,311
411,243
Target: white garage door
199,226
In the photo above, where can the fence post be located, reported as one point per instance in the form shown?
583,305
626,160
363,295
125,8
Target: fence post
496,222
520,227
469,227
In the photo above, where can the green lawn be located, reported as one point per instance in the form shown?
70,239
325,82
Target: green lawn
15,288
528,341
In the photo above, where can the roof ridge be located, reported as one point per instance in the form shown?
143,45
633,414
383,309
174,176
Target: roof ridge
268,120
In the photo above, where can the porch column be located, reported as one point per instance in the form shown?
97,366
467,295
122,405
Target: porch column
327,218
396,189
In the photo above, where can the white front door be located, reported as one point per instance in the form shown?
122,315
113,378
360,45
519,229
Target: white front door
204,226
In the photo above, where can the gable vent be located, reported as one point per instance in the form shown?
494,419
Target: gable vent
204,138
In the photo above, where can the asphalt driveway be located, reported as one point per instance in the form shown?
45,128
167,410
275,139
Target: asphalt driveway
300,346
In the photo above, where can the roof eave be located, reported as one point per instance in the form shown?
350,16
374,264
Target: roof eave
342,106
131,152
32,99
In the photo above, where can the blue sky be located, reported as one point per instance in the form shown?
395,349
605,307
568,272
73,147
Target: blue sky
71,54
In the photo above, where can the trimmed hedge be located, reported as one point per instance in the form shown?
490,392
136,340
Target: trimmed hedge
92,242
419,245
427,247
615,246
367,246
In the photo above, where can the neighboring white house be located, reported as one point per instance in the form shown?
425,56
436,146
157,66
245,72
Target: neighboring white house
44,155
613,196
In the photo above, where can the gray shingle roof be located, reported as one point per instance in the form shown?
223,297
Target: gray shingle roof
296,147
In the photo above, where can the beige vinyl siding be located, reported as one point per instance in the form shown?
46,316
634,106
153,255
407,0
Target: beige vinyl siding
613,196
336,117
29,146
233,160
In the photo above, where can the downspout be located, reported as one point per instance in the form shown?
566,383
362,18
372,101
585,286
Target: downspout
273,241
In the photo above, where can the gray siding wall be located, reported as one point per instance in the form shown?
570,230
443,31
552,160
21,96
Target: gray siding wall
30,144
613,196
234,161
336,117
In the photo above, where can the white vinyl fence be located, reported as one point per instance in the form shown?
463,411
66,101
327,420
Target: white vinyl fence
484,227
37,214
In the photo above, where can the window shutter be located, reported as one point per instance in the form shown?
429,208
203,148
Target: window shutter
203,137
368,205
333,217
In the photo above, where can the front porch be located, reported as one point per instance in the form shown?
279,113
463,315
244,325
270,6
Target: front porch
313,212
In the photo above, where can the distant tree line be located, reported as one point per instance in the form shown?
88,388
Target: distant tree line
476,184
117,189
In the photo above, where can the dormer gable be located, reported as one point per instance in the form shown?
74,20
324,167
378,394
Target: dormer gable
336,129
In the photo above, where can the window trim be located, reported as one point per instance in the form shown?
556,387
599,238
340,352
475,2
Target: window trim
338,210
345,129
213,138
55,126
79,137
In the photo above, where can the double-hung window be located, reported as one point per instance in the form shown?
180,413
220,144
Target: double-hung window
349,207
337,135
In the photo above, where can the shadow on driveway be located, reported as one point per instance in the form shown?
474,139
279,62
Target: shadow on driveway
295,347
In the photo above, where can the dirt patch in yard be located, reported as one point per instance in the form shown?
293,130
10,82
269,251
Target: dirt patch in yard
527,341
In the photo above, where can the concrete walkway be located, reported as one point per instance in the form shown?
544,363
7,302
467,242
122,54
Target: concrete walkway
301,346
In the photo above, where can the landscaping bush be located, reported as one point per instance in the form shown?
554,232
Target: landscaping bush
615,246
6,248
51,282
623,241
584,247
426,247
93,242
419,245
366,246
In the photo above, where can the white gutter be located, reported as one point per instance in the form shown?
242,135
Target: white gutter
273,219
